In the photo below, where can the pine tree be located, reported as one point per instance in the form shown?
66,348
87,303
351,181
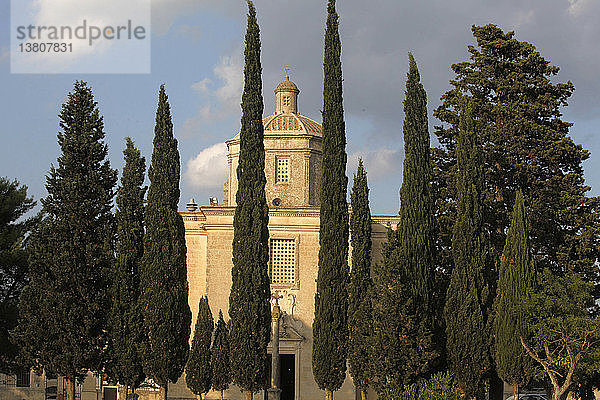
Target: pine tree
468,299
359,291
63,319
125,320
330,326
249,300
526,145
198,371
14,204
517,277
163,277
220,357
404,313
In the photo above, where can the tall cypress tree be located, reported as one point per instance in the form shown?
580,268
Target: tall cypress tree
517,277
125,320
198,371
330,326
404,315
468,303
359,291
249,300
220,357
63,324
163,277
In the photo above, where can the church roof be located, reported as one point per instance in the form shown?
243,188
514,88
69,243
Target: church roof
287,120
292,123
287,86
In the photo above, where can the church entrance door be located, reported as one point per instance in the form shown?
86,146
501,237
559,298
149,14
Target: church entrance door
287,365
288,376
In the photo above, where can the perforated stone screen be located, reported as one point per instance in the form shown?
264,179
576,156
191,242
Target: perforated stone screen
283,170
282,265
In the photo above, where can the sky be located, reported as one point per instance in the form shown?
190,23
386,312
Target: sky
197,52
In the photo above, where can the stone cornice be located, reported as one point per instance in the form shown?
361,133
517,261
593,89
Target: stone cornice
207,211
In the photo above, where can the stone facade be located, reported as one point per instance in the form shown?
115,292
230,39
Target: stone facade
293,221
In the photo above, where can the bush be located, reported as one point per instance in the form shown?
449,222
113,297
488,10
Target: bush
440,386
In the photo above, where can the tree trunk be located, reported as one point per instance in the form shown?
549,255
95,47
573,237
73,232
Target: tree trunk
328,394
162,393
249,395
496,386
70,389
516,391
363,394
221,394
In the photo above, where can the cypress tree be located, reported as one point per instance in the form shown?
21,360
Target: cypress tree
63,324
330,326
468,301
404,315
517,277
198,371
220,357
125,320
163,277
359,291
249,300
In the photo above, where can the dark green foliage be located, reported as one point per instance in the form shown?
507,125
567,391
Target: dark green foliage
404,316
62,322
440,386
468,301
249,307
330,326
565,340
125,325
359,292
14,204
163,275
516,280
198,371
220,357
525,146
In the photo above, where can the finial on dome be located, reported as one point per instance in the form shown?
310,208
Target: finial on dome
287,73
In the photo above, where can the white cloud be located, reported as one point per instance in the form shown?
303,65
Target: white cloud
378,163
523,17
202,86
221,102
229,70
208,169
578,7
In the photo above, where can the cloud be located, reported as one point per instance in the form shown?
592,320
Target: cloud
202,86
94,14
219,103
523,17
578,7
378,163
208,169
166,12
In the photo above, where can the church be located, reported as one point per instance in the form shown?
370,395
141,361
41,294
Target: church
293,171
